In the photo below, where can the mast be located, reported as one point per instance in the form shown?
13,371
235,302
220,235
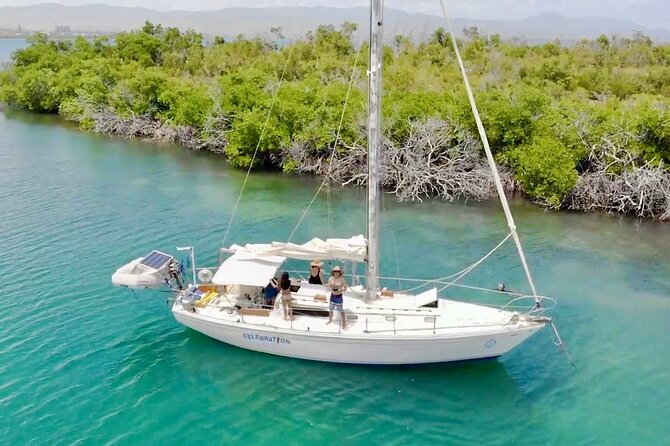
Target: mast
374,129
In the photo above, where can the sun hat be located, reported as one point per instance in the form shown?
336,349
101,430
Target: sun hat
337,269
316,263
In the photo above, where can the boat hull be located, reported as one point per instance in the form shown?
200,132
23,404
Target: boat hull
363,349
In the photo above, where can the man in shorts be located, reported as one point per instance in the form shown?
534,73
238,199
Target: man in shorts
337,286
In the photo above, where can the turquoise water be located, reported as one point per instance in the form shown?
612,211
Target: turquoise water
7,46
82,362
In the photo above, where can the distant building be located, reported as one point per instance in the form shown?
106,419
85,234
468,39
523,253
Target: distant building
62,29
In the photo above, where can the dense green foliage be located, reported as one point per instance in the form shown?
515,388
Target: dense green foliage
545,107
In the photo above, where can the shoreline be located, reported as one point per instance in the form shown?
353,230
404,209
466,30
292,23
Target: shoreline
566,130
165,134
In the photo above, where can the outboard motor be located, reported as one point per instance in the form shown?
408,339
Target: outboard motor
174,280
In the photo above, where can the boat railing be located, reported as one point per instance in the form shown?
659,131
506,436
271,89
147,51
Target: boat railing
426,283
371,316
440,284
540,304
522,303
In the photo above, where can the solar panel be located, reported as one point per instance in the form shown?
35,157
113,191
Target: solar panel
156,260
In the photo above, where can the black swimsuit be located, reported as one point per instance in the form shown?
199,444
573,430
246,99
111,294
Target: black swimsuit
315,280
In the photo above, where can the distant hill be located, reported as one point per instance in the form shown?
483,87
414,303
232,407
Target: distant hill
258,21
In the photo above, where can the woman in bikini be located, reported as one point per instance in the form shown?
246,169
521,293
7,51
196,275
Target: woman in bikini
286,298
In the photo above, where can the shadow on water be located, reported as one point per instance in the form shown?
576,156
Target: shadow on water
205,356
132,149
202,362
427,398
34,118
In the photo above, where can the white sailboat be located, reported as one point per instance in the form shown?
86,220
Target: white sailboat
383,326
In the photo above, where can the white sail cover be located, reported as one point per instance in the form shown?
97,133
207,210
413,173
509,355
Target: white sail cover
354,249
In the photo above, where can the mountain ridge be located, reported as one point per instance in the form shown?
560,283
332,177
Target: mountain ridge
258,21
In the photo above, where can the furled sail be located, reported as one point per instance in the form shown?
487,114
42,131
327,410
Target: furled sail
354,249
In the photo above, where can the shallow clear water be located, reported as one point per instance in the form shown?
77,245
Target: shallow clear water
7,46
82,362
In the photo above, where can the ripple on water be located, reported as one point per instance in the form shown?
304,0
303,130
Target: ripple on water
85,363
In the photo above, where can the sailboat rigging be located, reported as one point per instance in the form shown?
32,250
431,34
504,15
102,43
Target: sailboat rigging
384,326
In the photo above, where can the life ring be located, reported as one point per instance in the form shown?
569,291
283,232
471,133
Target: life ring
205,275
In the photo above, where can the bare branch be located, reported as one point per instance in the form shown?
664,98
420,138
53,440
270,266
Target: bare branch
436,159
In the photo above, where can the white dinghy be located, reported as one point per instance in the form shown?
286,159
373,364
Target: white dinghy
150,271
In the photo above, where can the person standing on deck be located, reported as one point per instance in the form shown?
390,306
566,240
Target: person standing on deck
315,273
286,298
337,286
270,292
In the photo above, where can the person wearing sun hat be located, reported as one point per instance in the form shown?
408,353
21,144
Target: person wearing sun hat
337,286
315,274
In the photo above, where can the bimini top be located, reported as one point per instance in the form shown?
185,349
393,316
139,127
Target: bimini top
354,248
245,269
255,264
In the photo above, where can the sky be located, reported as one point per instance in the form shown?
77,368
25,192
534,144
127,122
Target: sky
650,13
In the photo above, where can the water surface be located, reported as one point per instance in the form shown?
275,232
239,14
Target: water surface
83,362
7,47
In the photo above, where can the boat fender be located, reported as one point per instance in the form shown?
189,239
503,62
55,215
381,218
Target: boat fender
208,297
